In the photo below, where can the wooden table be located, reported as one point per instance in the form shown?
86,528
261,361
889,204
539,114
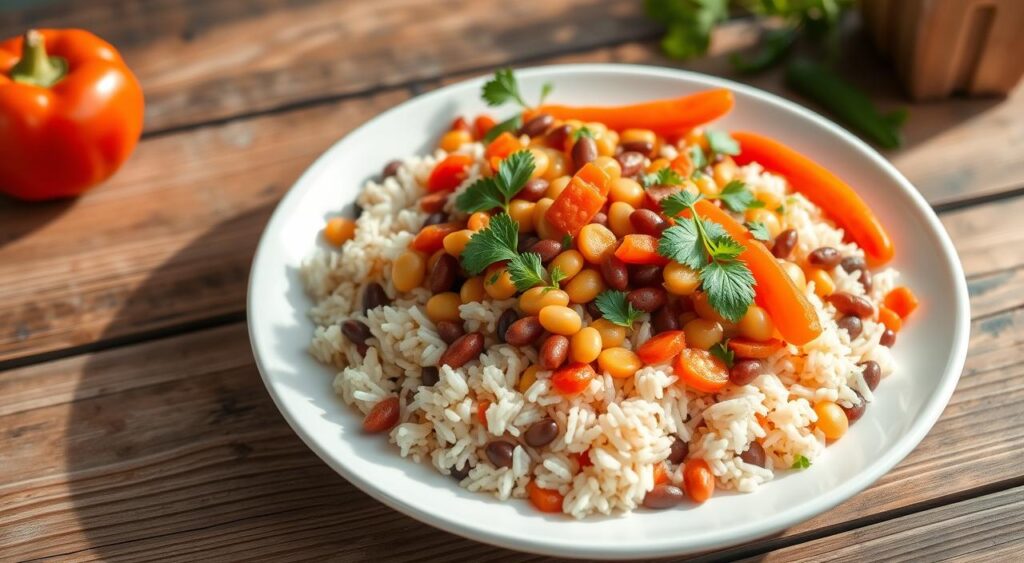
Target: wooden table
133,423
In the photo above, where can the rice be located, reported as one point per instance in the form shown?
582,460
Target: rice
615,433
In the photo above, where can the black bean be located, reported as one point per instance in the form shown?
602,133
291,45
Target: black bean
584,151
665,319
595,313
784,243
854,413
872,373
745,371
541,433
663,496
643,147
459,473
356,331
374,296
825,257
538,125
754,455
391,168
429,376
435,219
505,321
677,452
533,190
500,452
888,338
852,325
631,162
851,304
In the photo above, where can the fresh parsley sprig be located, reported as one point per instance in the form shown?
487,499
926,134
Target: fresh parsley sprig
504,88
583,132
706,247
758,230
724,353
497,243
721,142
498,191
736,196
511,125
664,177
616,308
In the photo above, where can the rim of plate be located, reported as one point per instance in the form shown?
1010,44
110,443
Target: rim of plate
506,536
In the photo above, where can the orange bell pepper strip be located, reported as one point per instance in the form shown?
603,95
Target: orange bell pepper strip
70,113
901,300
661,116
449,173
792,313
585,195
640,249
823,188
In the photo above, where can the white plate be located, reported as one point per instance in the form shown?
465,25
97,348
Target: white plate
930,350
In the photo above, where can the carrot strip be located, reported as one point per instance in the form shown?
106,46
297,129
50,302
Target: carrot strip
661,116
901,300
595,176
793,315
823,188
889,318
575,206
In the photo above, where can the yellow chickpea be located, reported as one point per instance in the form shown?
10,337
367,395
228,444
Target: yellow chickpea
724,171
455,243
498,283
768,217
606,143
704,308
541,161
569,261
408,270
585,286
522,212
832,420
610,166
536,298
338,230
452,140
703,333
619,362
560,320
756,324
626,190
556,164
527,378
680,279
769,198
557,186
707,186
823,284
472,290
639,136
540,221
444,307
585,345
618,218
612,335
478,221
595,242
596,127
696,137
795,273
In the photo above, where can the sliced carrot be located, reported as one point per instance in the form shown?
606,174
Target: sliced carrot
660,474
481,411
889,318
662,348
431,238
700,370
640,249
682,165
575,206
661,116
545,500
746,348
823,188
698,481
792,314
482,125
572,379
449,173
595,176
901,300
434,201
502,146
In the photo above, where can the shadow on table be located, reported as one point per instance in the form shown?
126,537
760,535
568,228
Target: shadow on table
22,218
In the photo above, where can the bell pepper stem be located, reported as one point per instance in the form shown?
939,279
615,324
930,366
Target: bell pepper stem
36,67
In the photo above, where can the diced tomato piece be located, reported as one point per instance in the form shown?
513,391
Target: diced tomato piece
902,301
482,125
460,124
654,194
481,411
640,249
545,500
660,474
746,348
431,238
662,347
700,370
595,176
575,206
572,379
889,318
502,146
583,459
449,173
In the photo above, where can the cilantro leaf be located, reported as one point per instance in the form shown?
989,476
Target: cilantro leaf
758,230
678,202
511,124
721,142
616,308
682,243
697,158
583,132
664,177
545,91
801,462
756,204
724,353
557,277
566,241
502,88
514,172
488,193
729,286
482,195
724,247
736,196
495,243
526,271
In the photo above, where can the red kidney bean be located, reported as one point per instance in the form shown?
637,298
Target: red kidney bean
866,279
872,373
450,331
429,376
854,413
391,168
615,273
663,496
505,321
554,351
648,275
647,222
851,263
534,189
632,163
500,452
459,473
374,296
648,299
584,151
435,219
464,350
888,338
442,275
784,243
556,137
824,257
677,452
754,455
541,433
645,148
383,416
655,194
595,313
851,304
547,249
523,331
745,371
852,325
601,218
526,242
665,318
356,331
538,125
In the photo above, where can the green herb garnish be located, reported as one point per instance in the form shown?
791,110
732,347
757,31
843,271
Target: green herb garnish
664,177
583,132
721,142
498,243
566,241
616,308
502,88
801,462
697,158
736,196
724,353
758,230
511,125
498,190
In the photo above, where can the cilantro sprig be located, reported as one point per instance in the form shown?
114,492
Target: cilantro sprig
504,88
721,142
497,243
758,230
664,177
498,191
583,132
736,196
724,353
801,462
706,247
616,308
511,125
